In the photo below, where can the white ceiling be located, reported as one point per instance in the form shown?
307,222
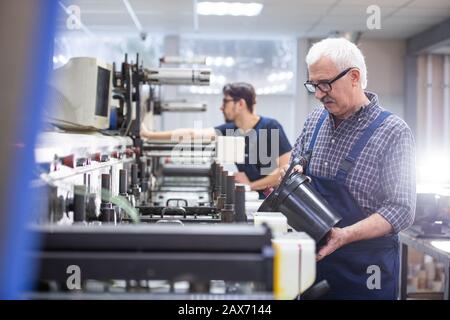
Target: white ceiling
400,19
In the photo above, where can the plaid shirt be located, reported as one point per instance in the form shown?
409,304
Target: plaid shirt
383,177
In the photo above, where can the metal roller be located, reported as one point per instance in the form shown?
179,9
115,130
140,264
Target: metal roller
183,60
178,76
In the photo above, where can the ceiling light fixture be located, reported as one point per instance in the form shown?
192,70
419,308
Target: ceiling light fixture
229,8
133,15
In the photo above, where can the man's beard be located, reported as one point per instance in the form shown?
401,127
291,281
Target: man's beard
226,119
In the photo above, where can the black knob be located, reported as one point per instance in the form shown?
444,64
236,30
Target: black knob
106,187
60,208
134,174
239,203
107,213
79,203
224,182
230,190
144,186
218,178
227,213
212,170
91,207
123,182
143,170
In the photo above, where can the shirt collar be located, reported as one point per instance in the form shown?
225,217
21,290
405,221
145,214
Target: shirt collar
373,98
360,118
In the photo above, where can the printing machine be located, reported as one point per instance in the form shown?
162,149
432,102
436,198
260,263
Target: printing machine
152,220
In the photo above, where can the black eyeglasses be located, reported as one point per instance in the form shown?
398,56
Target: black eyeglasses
225,101
324,85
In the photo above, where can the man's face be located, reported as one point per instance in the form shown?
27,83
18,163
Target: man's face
338,101
229,108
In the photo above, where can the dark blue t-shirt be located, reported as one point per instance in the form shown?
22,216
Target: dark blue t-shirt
263,145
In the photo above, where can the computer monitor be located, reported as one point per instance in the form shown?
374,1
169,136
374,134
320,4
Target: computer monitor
81,94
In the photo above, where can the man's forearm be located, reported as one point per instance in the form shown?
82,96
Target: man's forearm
272,179
268,181
161,135
179,134
373,226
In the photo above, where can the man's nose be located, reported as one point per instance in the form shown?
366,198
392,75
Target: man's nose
221,108
319,94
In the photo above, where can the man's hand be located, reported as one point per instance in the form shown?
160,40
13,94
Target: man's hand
283,170
371,227
336,238
241,177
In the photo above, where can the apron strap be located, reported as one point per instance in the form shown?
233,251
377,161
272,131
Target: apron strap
308,153
349,161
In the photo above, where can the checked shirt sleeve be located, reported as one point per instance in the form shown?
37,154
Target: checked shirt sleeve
398,181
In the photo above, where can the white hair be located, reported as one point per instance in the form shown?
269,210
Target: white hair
342,52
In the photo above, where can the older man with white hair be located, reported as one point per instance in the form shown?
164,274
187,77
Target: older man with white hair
360,158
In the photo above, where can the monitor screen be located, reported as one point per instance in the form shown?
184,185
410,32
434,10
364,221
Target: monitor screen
102,101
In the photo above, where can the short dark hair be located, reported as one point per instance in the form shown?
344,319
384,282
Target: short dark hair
241,90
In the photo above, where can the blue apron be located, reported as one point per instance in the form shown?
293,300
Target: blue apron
367,269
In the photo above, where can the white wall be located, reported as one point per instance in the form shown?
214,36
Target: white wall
385,61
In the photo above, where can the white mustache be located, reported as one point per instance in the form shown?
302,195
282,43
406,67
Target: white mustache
326,100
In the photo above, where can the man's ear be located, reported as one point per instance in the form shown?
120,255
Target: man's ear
355,75
241,103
